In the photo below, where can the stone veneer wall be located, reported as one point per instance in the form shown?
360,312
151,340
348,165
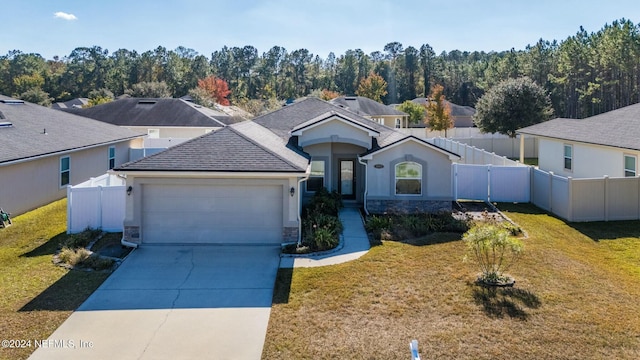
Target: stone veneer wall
132,234
408,206
289,234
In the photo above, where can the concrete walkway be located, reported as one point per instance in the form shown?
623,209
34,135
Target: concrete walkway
355,243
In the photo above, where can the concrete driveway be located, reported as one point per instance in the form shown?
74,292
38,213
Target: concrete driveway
175,302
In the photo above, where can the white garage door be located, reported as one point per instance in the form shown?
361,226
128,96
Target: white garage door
223,214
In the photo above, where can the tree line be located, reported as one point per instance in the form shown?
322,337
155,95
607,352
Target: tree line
584,75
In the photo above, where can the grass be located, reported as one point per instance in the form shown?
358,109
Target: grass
37,296
576,297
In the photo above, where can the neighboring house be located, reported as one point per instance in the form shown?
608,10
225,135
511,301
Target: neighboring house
606,144
73,103
462,115
246,182
159,117
44,150
370,109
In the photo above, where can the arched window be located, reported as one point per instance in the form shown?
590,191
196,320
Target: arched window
408,178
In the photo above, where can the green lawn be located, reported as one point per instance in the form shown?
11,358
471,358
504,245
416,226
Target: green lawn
576,297
37,296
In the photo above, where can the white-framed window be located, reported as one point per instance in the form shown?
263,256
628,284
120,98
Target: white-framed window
630,165
398,123
65,171
568,157
112,157
408,176
315,181
153,133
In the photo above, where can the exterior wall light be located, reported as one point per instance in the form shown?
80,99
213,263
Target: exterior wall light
292,191
129,190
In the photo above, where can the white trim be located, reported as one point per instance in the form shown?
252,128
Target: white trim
451,156
153,133
64,152
109,167
565,157
298,130
209,174
395,178
324,175
60,171
635,165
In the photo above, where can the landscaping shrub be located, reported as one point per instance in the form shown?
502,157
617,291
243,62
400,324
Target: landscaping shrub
493,249
404,227
80,240
321,226
73,257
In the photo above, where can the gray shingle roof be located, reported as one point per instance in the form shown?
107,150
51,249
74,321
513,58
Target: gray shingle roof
365,106
26,137
156,112
456,110
283,120
243,147
618,128
261,145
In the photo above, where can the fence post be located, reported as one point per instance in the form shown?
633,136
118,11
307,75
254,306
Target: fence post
550,191
606,198
455,181
69,206
488,199
570,216
100,204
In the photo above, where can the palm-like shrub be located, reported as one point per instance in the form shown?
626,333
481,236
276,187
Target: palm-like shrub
494,250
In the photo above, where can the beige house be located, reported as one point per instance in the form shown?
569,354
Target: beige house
462,115
373,110
246,182
160,118
603,145
44,150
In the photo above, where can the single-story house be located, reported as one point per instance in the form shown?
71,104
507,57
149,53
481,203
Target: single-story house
371,109
462,115
607,144
246,183
159,117
43,150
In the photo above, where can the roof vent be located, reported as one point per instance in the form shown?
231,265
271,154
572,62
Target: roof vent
351,98
5,124
12,101
147,102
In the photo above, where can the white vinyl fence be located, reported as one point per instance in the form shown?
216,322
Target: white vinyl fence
600,199
98,203
500,144
472,154
492,183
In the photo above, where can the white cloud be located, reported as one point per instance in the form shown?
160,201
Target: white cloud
65,16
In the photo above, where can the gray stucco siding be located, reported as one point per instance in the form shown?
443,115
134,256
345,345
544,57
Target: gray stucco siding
436,173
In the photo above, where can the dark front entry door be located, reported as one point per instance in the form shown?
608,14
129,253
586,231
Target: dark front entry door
347,184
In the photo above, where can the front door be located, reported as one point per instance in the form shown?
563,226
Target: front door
347,184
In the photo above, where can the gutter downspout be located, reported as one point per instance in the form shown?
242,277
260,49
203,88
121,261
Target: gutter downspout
366,185
128,244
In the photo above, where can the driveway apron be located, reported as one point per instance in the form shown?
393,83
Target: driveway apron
175,302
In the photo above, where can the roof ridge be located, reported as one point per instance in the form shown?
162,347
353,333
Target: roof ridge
233,128
169,148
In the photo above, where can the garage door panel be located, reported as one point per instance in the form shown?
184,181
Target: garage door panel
212,214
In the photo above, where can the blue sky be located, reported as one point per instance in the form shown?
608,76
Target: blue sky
56,27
